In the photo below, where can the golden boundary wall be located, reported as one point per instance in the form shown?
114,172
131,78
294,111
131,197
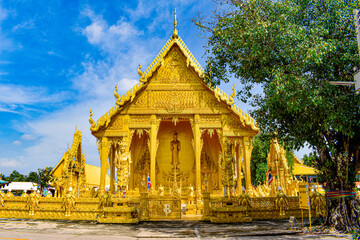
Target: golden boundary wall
128,210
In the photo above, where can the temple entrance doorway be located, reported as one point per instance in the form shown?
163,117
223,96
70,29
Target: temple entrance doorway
175,158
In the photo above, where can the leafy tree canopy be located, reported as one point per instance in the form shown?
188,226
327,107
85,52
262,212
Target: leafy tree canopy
310,159
293,49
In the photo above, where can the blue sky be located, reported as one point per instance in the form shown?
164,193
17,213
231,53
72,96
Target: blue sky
58,59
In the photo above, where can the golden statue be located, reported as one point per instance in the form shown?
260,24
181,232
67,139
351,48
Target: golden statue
123,169
227,165
175,148
281,203
105,201
318,201
68,202
161,191
2,198
244,201
191,194
32,202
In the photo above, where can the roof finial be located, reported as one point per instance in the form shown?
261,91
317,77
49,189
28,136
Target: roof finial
175,32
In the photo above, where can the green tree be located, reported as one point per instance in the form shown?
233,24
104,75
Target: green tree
3,177
44,176
258,164
32,177
15,176
310,159
292,49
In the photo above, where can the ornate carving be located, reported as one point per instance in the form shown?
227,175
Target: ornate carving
117,123
210,118
174,70
141,101
140,119
176,101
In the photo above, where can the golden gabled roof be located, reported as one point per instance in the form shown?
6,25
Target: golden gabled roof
129,96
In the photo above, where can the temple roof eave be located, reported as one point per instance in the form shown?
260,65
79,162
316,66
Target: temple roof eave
129,96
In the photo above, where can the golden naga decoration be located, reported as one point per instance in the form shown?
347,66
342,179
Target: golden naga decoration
116,95
141,75
91,121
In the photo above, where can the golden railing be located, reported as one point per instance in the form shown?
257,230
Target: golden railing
120,211
238,209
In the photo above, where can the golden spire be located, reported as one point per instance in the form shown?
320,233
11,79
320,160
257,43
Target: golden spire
175,32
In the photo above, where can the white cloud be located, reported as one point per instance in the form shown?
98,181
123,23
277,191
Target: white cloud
24,25
6,109
28,137
9,163
108,38
13,95
18,143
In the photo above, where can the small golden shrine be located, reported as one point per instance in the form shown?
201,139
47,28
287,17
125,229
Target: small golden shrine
72,171
278,166
174,128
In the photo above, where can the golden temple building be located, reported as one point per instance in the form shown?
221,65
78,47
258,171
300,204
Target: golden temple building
175,129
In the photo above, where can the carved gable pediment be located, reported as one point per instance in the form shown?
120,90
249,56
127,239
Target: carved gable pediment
174,70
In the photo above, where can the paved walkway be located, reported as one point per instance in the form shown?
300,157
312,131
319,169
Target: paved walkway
77,230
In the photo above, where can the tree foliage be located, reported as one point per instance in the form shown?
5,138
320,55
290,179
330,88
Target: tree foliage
310,159
258,164
293,49
15,176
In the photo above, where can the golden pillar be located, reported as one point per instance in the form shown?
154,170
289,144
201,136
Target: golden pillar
104,150
247,158
112,169
153,136
197,137
238,168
